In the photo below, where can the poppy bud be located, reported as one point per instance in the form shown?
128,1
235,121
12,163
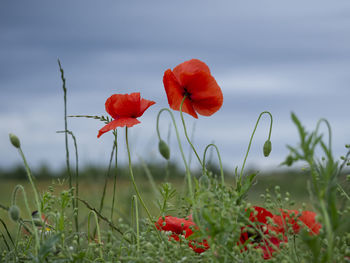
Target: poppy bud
14,213
14,140
267,148
164,149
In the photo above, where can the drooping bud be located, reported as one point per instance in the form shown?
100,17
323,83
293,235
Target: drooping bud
14,140
267,148
164,149
14,213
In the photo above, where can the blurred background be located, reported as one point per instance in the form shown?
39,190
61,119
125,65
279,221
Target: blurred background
265,55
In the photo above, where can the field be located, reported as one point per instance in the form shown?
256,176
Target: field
163,213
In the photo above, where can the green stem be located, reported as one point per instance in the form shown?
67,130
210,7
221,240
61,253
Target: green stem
75,201
185,130
329,231
220,163
137,223
106,180
116,171
329,133
188,174
37,243
30,178
65,122
133,179
103,218
98,231
7,231
250,142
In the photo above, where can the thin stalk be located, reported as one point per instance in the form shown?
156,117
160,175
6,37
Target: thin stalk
132,177
7,231
75,201
37,243
185,130
134,198
65,122
329,231
250,142
188,174
103,218
329,133
30,178
135,186
106,180
98,231
116,171
220,163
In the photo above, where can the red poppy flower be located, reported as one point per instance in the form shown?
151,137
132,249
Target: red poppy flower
182,226
124,109
193,78
291,217
263,238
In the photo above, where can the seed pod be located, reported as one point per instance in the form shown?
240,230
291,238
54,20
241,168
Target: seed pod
164,149
14,140
267,148
14,213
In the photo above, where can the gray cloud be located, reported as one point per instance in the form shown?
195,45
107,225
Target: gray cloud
264,54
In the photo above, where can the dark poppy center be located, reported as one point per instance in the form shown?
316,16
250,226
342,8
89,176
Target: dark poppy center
256,236
186,93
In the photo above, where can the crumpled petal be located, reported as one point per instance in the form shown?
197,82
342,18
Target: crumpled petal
175,94
123,105
121,122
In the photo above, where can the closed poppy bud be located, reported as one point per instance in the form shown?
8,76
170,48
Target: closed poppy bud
14,213
14,140
164,149
267,148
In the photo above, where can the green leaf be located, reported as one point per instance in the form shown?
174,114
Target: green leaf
48,245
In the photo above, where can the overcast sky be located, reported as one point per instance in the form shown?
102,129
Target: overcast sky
266,55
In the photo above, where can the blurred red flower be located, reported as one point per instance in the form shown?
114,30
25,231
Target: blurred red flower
181,226
124,109
296,221
260,232
193,78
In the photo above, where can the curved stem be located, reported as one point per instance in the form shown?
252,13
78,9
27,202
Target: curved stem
98,231
37,243
185,130
329,132
30,178
219,157
251,139
188,174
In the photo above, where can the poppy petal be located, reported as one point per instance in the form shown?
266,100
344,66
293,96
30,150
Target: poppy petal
123,105
121,122
190,67
175,94
205,93
144,105
309,219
